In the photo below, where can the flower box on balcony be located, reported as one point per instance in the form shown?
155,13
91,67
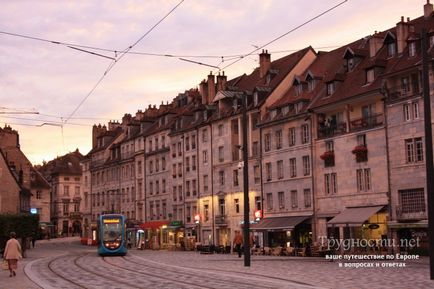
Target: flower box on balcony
329,158
361,153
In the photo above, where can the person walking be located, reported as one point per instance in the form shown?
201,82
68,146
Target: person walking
238,241
12,253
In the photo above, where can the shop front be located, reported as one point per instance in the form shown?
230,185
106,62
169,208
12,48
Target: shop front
288,231
176,235
410,237
366,224
155,235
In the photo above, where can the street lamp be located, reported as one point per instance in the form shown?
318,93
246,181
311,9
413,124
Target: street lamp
246,228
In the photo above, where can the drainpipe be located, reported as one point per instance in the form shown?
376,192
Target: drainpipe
312,178
212,187
198,233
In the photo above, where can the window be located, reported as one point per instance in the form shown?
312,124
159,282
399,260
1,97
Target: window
361,139
306,165
65,208
174,193
193,142
363,180
255,120
205,183
193,163
157,165
38,195
329,146
407,112
305,133
173,150
412,201
330,183
281,199
269,201
174,170
193,185
311,84
151,188
180,192
66,190
156,143
187,164
414,150
222,206
412,49
294,199
291,136
267,142
235,176
280,169
163,186
391,49
151,166
180,170
222,178
307,198
139,167
77,191
157,187
237,206
330,88
187,188
257,174
258,204
187,143
370,75
179,148
150,146
268,171
206,212
415,110
204,135
293,167
221,154
220,129
255,149
163,163
279,139
205,157
163,141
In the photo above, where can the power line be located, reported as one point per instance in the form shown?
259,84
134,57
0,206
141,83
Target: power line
286,33
47,122
113,63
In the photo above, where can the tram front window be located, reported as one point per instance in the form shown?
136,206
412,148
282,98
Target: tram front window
112,236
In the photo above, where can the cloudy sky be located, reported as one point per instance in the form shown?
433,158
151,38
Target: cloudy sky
54,79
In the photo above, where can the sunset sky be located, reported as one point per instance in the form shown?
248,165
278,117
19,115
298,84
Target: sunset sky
53,79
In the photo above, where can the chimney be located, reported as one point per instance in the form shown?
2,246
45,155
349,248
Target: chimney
95,133
203,90
264,63
401,35
221,81
375,43
211,87
427,9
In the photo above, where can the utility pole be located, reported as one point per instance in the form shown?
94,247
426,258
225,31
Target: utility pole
428,149
246,227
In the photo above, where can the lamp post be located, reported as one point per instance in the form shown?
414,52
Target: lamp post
246,228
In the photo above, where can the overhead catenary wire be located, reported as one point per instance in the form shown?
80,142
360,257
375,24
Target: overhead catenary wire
113,63
286,33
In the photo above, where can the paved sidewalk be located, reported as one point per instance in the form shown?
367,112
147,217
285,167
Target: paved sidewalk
43,248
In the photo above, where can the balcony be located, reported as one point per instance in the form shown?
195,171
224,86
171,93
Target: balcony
220,219
404,214
76,215
367,122
399,92
327,131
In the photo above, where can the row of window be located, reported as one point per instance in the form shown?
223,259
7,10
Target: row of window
152,165
292,168
156,144
66,190
190,189
154,210
291,138
157,187
293,198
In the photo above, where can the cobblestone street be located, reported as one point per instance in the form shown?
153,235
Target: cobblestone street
63,263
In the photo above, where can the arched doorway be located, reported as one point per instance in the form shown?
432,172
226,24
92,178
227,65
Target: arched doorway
76,228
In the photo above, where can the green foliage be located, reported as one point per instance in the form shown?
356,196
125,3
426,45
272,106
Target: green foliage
22,225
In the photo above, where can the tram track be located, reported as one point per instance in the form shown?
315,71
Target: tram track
236,274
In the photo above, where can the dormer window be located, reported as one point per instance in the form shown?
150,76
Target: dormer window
255,98
311,84
268,78
412,49
285,110
298,89
273,113
330,88
390,41
370,75
350,64
235,103
431,40
205,115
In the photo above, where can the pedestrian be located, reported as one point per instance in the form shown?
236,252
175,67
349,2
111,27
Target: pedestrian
33,240
12,253
238,241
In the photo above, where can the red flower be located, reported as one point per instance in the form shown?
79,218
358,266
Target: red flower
327,155
360,149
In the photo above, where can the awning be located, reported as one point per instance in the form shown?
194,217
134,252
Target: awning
153,225
354,216
278,223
